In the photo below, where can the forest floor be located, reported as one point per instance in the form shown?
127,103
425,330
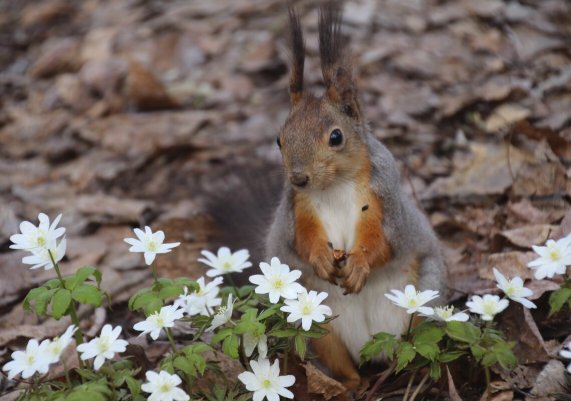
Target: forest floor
125,113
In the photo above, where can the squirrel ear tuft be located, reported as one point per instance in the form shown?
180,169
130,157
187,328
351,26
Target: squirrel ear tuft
335,61
297,47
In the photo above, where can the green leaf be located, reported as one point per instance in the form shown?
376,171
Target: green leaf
41,304
558,298
170,291
288,332
80,276
300,346
142,300
428,335
88,294
245,290
405,354
33,295
53,283
255,328
435,371
136,295
60,303
429,351
478,351
381,343
83,395
504,355
269,312
315,331
165,282
230,346
154,305
134,386
197,348
191,285
199,362
185,365
450,356
221,335
463,331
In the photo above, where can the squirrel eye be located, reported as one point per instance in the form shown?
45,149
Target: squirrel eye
279,143
336,137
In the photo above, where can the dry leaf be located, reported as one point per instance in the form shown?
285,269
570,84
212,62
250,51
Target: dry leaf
319,383
504,116
452,392
527,236
105,208
549,381
487,171
510,264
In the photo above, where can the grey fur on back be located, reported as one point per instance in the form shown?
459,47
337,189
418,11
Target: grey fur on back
406,227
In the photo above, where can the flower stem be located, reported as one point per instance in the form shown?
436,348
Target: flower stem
66,371
171,339
111,379
232,284
286,355
72,309
488,382
409,326
155,275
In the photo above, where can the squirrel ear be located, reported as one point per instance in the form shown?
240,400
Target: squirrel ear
297,48
335,61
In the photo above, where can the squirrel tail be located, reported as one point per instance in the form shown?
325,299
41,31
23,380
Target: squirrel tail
242,208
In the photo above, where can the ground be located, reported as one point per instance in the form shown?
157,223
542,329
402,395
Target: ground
124,113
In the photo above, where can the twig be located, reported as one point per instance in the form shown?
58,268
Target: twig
420,386
408,387
381,380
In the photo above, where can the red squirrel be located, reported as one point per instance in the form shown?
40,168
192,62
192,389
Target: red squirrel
343,218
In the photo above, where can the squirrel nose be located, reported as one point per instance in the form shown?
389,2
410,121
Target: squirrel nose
299,179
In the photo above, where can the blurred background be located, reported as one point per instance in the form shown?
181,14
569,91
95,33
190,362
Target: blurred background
124,113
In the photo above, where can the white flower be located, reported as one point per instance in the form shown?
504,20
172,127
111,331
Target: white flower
149,243
277,281
204,300
103,347
159,320
553,259
41,257
251,342
34,238
164,387
266,382
55,347
223,314
514,289
308,308
488,306
566,353
225,261
413,300
446,314
33,359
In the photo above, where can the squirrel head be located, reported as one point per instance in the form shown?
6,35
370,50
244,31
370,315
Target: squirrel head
322,140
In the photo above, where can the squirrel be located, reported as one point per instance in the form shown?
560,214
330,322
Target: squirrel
343,218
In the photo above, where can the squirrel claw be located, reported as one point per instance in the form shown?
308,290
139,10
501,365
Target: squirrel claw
355,274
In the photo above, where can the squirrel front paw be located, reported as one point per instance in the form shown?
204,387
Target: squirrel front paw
355,273
323,263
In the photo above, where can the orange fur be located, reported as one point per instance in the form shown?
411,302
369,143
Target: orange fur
370,240
334,355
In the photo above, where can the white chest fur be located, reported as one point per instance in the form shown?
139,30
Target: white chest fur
337,208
